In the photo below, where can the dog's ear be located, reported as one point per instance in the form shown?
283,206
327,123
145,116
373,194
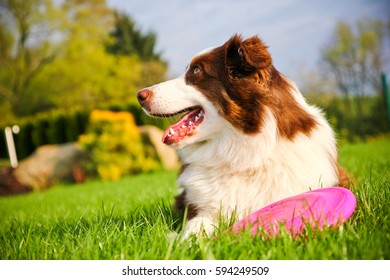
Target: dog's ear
245,57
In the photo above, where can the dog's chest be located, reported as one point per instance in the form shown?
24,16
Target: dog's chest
225,191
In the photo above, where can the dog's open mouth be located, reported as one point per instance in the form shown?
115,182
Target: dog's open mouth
184,127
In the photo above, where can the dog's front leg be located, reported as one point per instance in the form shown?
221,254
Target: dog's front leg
199,225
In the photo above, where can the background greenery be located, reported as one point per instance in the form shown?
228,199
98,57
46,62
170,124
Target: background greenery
132,218
58,58
75,54
113,147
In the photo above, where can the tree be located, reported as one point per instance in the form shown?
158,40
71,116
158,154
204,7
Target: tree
54,57
355,57
89,20
127,39
87,77
26,29
85,74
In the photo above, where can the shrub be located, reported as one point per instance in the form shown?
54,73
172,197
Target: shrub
23,141
141,118
39,135
348,124
62,127
114,146
47,128
76,124
56,129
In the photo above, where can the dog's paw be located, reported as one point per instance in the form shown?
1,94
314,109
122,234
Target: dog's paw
198,226
173,236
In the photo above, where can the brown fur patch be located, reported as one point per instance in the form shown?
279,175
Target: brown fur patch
240,80
290,116
345,178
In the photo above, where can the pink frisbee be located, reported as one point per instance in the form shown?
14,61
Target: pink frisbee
318,208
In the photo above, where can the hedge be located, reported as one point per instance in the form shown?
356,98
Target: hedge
63,127
53,128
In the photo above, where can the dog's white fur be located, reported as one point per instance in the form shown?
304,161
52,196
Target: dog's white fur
233,172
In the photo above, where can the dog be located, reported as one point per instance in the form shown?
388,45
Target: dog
247,137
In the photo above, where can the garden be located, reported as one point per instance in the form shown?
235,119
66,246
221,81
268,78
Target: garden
133,217
91,178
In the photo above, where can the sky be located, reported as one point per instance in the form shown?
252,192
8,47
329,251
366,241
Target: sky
295,30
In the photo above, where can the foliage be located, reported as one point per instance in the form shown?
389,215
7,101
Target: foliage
348,127
114,146
58,127
355,58
87,77
127,39
54,57
131,219
141,118
25,50
49,128
85,74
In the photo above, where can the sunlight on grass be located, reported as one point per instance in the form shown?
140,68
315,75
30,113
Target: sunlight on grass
132,219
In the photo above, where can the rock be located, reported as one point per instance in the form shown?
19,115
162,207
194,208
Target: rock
151,139
9,184
50,164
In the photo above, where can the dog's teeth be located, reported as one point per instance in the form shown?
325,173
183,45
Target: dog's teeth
190,123
196,118
183,126
171,131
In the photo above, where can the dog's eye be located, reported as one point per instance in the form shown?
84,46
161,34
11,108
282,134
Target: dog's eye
196,70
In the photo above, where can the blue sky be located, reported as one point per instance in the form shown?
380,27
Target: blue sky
294,30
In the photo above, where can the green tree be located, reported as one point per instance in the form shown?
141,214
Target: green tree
88,20
26,31
84,74
355,58
127,39
54,57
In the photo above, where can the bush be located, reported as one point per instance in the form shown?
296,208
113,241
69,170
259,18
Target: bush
23,141
62,127
114,146
56,129
141,118
39,135
48,128
348,124
76,125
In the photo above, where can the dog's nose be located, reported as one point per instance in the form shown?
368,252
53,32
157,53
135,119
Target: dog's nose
144,95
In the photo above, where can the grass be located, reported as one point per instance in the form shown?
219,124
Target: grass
131,219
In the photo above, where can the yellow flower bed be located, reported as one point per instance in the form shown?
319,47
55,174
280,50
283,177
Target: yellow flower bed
113,145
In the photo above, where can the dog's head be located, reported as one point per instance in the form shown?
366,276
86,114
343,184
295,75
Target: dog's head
226,86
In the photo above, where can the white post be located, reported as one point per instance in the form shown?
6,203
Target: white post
11,146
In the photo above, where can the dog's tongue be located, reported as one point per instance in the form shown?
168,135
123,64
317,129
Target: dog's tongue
184,127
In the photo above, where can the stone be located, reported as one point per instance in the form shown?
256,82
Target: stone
9,184
50,164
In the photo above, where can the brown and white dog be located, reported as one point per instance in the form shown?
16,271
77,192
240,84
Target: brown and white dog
247,137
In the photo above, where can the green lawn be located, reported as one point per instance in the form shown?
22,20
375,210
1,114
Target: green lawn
131,219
